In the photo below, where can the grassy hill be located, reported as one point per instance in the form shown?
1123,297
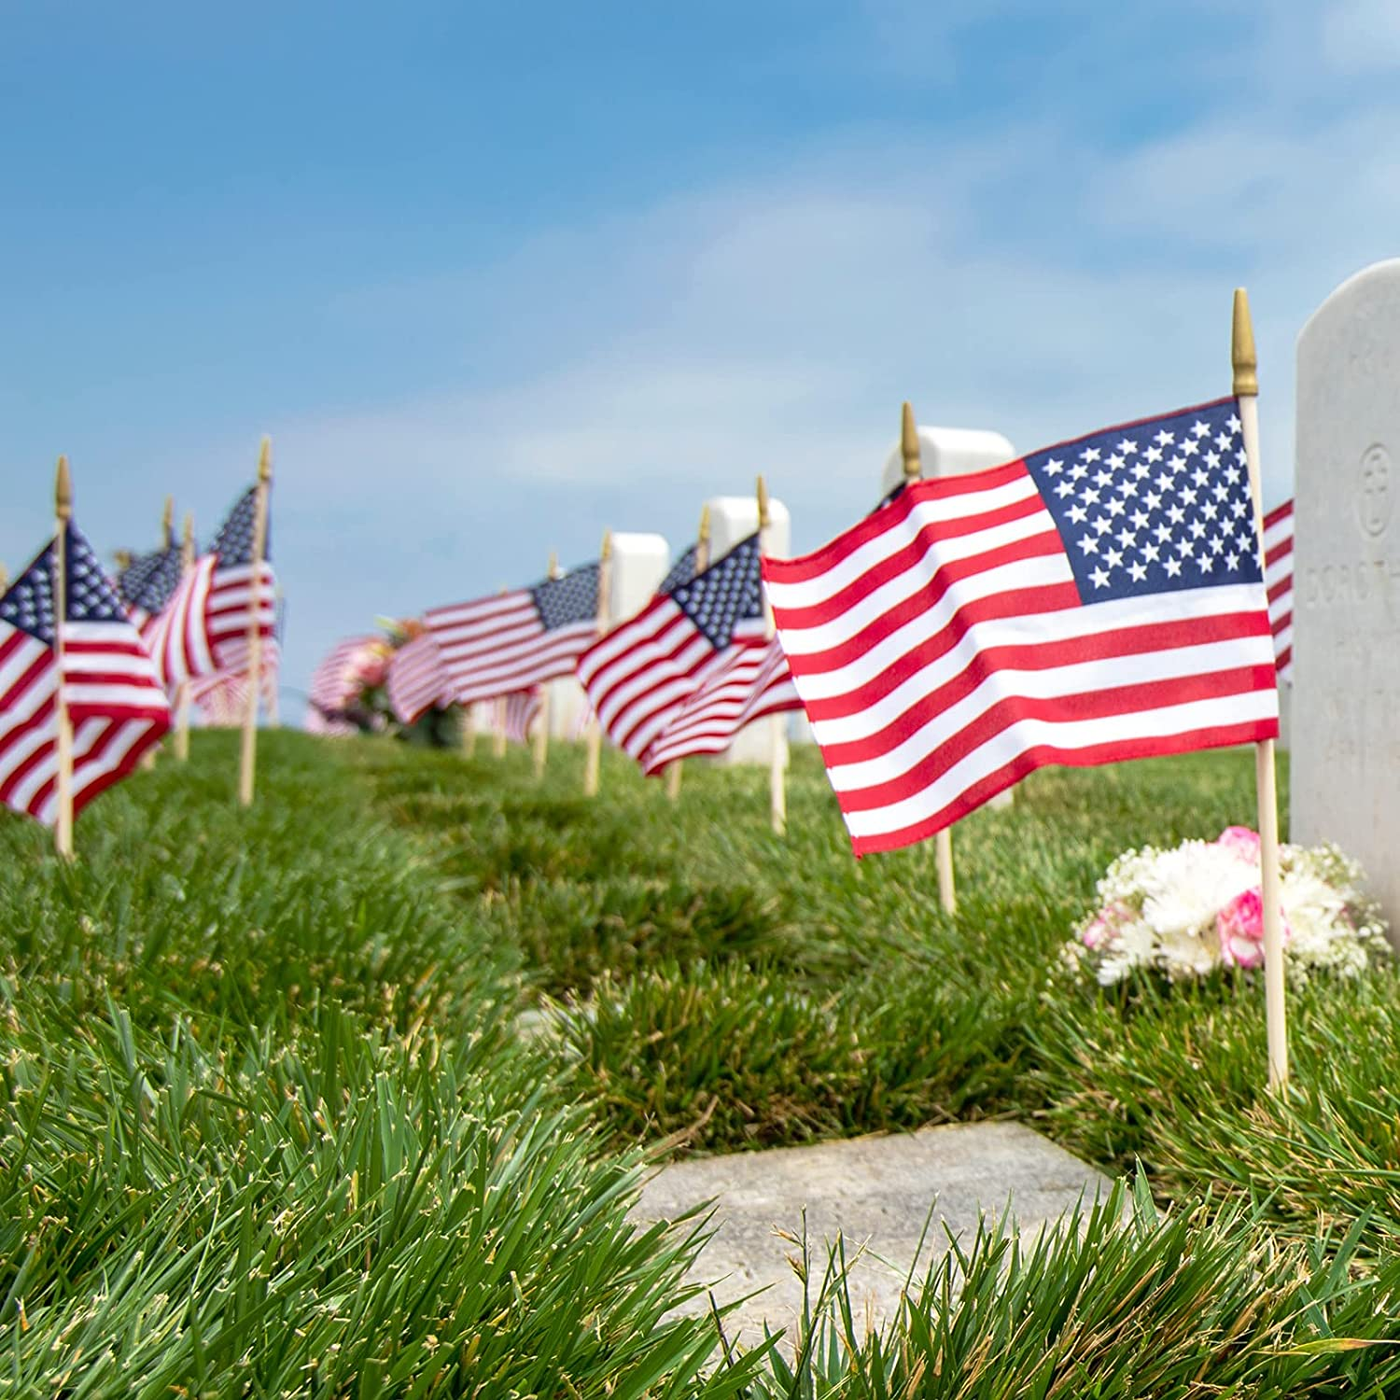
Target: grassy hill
348,1095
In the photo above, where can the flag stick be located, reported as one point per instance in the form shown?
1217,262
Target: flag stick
248,757
593,757
469,728
63,509
942,840
777,751
542,717
181,742
1246,387
702,562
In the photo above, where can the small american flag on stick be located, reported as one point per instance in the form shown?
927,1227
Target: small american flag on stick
1278,579
147,584
1097,601
639,677
115,706
511,641
522,709
417,680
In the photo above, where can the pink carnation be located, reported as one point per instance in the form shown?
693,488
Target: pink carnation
1240,925
1242,842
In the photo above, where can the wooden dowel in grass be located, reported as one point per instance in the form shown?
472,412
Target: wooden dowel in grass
777,723
593,757
942,840
63,512
181,742
542,714
702,562
1245,364
248,753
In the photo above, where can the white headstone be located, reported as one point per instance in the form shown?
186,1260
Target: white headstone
639,563
952,452
1345,739
735,518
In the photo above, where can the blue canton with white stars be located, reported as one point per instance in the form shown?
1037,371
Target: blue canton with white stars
682,571
148,582
726,594
234,542
28,604
1156,507
561,602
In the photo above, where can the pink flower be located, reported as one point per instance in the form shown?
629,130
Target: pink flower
1240,925
1242,842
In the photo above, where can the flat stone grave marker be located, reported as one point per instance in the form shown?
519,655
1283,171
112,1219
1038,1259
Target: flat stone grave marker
876,1192
1345,722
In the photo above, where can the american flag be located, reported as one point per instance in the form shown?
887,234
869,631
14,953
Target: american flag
203,629
222,699
522,707
146,584
514,640
334,686
114,703
1098,601
640,675
682,571
1278,579
417,680
754,682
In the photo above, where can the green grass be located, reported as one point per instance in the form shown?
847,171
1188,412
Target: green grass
277,1122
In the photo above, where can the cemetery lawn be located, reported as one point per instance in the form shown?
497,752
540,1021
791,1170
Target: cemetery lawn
349,1095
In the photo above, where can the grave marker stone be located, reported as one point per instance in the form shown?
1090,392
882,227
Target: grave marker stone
1345,721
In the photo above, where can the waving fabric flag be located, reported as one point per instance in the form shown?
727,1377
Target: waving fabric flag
147,584
115,705
417,680
641,674
1098,601
511,641
1278,579
521,710
753,682
203,629
334,685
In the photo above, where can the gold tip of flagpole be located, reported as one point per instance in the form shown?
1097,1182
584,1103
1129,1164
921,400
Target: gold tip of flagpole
167,522
606,553
121,558
1242,355
763,520
4,578
909,444
63,491
554,563
187,538
704,533
265,460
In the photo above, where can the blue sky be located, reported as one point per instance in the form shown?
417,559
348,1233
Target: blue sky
495,277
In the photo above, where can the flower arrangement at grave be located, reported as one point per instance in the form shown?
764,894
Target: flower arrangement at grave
1197,908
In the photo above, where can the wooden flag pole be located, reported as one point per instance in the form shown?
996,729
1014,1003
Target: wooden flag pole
63,510
1246,387
167,539
249,755
181,742
942,840
593,757
167,524
542,717
702,562
469,728
777,751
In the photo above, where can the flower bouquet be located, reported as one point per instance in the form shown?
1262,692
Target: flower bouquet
1188,911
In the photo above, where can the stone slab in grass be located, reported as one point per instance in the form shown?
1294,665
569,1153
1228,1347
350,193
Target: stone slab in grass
876,1192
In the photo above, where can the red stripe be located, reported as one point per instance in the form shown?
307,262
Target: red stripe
1280,551
1282,622
1279,513
1284,585
1284,659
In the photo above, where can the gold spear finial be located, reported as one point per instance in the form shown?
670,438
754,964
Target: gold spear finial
909,444
763,521
1242,356
553,563
704,535
63,491
4,578
121,558
265,460
187,539
607,546
167,522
